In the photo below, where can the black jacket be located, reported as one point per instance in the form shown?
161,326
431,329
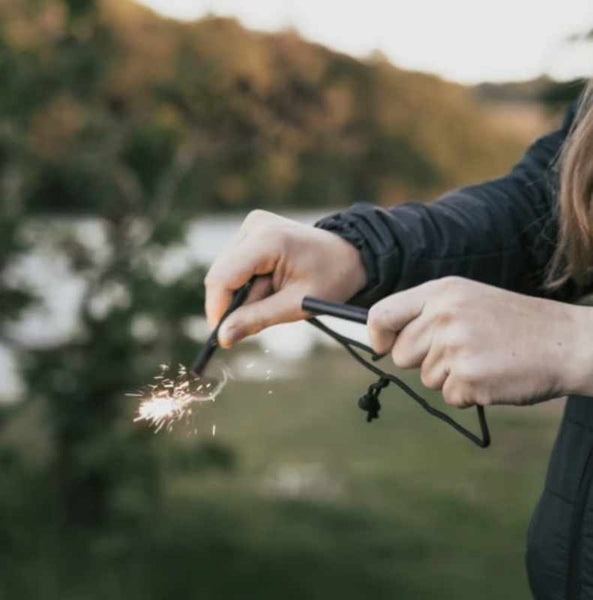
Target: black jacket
502,232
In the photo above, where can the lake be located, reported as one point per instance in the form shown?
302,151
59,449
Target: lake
55,319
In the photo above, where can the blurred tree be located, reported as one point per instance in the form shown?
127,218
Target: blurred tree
72,151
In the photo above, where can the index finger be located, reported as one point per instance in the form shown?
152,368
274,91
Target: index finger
233,269
390,315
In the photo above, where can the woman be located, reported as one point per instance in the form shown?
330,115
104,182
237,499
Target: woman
474,291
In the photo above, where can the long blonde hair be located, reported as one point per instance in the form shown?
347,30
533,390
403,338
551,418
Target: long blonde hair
573,257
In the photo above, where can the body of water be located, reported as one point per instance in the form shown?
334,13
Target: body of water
54,319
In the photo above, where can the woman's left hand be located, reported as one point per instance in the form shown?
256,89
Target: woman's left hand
484,345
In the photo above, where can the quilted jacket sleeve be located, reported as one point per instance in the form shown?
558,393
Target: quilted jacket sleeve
501,232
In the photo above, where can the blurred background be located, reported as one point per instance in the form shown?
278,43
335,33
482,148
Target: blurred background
133,140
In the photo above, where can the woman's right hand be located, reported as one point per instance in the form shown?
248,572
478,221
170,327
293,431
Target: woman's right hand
292,260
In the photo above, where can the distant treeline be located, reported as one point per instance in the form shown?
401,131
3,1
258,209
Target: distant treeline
544,90
127,106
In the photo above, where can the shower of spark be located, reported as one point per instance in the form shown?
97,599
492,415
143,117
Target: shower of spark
171,398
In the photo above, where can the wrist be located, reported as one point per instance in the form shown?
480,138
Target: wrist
362,255
576,362
352,267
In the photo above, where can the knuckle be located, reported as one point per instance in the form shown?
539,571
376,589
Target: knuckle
373,318
454,397
471,381
483,399
448,304
479,394
428,379
450,398
451,292
378,316
445,315
256,216
400,356
452,282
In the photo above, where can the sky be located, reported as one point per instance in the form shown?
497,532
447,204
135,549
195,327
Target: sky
463,40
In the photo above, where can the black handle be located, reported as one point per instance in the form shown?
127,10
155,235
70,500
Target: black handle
335,309
203,358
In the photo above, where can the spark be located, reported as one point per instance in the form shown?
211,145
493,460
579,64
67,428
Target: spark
213,430
171,399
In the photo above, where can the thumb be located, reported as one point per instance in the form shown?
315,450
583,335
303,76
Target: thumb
249,319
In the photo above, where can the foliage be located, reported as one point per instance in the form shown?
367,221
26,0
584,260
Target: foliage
554,95
245,119
69,150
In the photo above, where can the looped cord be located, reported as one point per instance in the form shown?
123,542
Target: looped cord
369,402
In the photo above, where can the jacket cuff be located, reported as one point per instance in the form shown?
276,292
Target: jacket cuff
362,226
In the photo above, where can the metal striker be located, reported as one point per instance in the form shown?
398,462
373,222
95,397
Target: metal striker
205,355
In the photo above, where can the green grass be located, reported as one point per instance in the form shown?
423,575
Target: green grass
404,506
298,497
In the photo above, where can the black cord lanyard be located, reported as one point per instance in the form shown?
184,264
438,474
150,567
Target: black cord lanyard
369,402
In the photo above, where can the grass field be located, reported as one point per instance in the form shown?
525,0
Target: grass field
324,505
297,497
